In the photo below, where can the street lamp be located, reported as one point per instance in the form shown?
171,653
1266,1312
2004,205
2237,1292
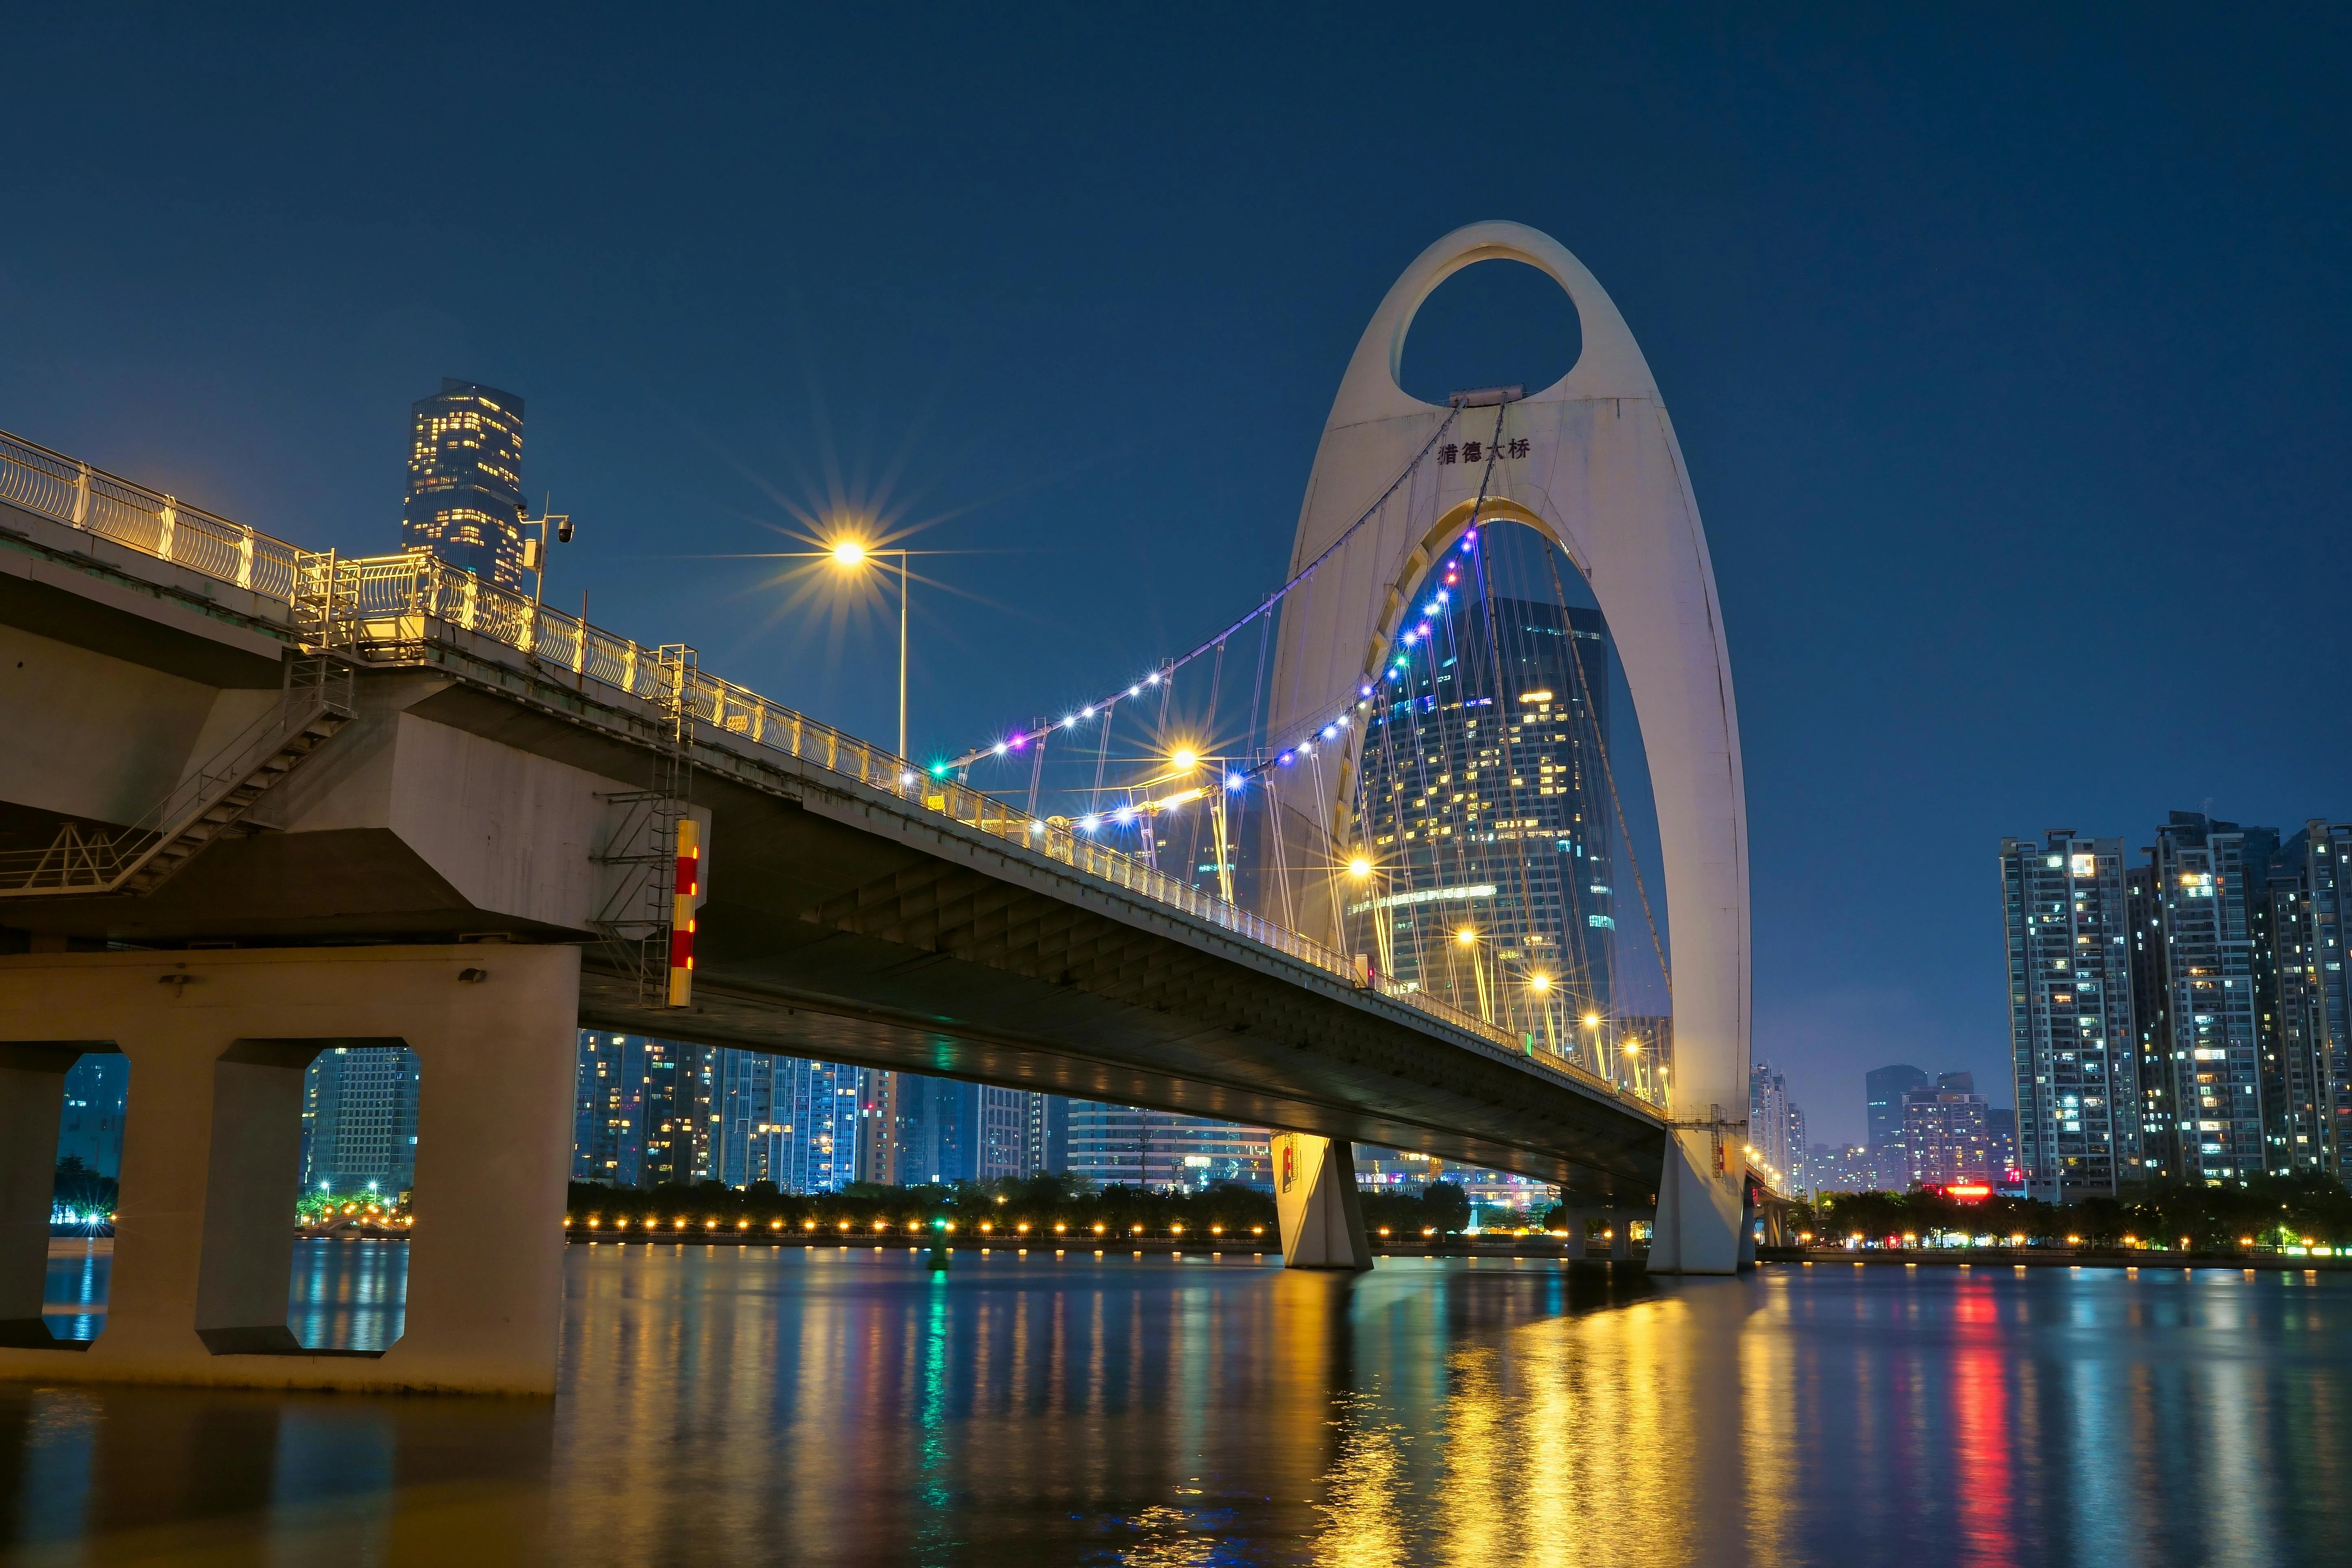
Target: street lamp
851,555
534,550
1467,939
1363,870
1540,985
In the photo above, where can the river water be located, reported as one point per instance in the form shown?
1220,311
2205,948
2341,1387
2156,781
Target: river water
754,1404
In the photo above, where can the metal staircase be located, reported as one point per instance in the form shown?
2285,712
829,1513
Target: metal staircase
640,849
316,702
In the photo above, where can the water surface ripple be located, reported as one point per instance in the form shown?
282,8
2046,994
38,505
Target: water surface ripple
755,1404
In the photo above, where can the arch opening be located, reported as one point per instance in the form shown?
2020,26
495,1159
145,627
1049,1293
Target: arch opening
1495,322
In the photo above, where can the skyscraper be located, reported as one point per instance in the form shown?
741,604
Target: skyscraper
642,1113
1768,1122
2212,901
2310,1091
464,480
878,1127
1947,1133
1488,812
2001,1126
786,1120
2071,1042
1884,1088
952,1132
95,1096
2151,1015
359,1120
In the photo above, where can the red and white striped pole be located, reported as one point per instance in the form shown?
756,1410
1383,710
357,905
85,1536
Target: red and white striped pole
681,917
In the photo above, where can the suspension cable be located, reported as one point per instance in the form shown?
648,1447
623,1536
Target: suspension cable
1609,773
1168,669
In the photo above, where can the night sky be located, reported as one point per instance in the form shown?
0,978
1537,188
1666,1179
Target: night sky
2008,353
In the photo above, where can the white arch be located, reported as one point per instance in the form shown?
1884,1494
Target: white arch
1604,476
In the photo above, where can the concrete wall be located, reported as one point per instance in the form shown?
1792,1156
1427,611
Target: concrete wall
91,736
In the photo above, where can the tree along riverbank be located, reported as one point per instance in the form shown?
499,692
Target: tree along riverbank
2264,1212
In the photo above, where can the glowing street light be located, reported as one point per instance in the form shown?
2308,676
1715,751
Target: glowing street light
1359,866
1467,939
1540,984
851,553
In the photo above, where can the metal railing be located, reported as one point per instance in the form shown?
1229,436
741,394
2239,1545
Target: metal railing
113,508
390,606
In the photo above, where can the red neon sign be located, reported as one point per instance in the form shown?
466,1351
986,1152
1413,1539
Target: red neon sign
1968,1191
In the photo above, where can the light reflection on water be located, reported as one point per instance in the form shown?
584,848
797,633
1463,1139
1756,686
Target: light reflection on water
342,1295
750,1404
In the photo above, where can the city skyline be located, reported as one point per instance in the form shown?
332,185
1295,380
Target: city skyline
1575,709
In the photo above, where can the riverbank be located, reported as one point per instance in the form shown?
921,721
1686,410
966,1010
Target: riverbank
2046,1257
1544,1248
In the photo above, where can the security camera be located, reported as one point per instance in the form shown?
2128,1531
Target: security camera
564,530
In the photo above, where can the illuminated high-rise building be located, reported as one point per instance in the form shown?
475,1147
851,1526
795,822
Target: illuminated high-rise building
2309,1089
1884,1088
1488,814
465,481
878,1127
950,1132
786,1120
2212,898
359,1120
1768,1122
2072,1044
96,1093
642,1113
1948,1133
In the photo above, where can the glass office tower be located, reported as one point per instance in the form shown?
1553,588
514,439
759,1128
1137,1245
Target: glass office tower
1485,811
465,481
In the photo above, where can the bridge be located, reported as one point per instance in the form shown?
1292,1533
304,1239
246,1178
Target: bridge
261,802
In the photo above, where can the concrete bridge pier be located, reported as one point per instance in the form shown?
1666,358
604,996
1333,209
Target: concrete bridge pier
1617,1233
1315,1198
217,1042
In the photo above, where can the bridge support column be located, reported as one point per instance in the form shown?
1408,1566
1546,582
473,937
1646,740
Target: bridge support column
216,1041
1698,1229
32,1098
1314,1199
1578,1238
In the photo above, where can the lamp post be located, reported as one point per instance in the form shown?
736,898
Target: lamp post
1541,985
534,550
1467,939
1373,881
850,554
